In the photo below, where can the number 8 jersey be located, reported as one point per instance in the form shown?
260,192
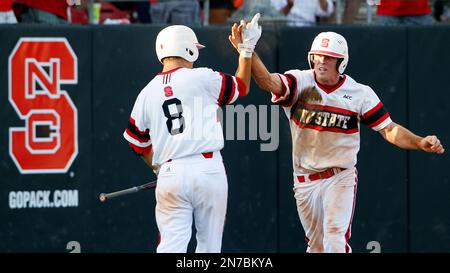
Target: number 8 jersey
176,114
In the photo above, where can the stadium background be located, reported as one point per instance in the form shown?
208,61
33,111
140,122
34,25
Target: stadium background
402,200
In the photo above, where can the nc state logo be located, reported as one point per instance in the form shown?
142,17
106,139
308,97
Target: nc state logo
48,140
168,91
325,42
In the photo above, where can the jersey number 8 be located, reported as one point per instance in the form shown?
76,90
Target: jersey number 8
177,115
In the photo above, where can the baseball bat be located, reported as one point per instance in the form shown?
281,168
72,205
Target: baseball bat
105,196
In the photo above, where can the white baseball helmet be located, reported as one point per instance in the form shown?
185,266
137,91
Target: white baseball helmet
330,44
177,41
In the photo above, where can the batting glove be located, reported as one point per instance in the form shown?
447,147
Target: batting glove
250,36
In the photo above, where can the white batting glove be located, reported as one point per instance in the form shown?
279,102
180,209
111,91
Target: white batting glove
250,36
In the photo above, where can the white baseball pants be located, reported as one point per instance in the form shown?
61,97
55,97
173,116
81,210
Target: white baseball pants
192,188
325,208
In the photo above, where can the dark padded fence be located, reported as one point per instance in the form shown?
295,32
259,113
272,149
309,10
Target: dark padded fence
401,200
428,81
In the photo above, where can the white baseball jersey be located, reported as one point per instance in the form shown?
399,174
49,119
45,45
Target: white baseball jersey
176,113
326,134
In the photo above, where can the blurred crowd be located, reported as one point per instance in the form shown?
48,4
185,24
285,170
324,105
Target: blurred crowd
219,12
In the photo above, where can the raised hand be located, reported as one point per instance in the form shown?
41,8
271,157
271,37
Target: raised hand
250,36
245,36
236,34
252,31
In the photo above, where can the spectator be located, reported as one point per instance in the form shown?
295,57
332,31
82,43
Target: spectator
404,12
441,11
45,11
6,12
269,15
78,12
351,10
118,13
182,12
303,12
143,14
220,11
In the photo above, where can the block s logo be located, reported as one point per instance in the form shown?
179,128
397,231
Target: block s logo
49,141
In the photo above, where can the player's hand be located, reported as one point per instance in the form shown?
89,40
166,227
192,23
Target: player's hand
250,34
155,169
252,31
236,35
431,144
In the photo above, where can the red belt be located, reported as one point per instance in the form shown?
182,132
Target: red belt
322,175
205,155
208,155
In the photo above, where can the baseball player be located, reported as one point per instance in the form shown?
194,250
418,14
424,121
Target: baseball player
175,129
325,108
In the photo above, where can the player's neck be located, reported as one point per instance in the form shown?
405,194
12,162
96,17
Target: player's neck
328,81
176,63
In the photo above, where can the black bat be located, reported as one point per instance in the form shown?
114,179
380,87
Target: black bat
105,196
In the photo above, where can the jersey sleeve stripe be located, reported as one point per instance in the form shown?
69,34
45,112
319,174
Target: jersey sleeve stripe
132,135
283,86
292,83
242,88
133,131
233,91
133,122
135,141
373,110
226,90
222,89
380,120
278,99
139,150
375,116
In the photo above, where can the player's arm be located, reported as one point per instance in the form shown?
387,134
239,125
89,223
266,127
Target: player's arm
377,117
265,80
405,139
244,72
136,140
148,159
137,132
